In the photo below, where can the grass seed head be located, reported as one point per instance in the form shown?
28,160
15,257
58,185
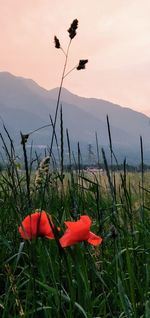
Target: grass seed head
57,42
42,171
73,28
24,138
81,65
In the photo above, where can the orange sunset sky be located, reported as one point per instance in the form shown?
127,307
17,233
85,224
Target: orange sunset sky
113,34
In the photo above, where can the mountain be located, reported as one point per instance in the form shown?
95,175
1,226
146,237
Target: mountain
25,106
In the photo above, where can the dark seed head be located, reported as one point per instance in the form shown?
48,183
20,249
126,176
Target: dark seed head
73,28
24,138
57,43
81,65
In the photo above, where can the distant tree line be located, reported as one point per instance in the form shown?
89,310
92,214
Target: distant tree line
115,167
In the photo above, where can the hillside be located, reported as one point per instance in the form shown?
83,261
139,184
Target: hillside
25,106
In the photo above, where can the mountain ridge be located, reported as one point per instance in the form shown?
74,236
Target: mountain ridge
24,102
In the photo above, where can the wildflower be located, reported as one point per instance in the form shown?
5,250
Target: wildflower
57,43
79,231
73,28
81,65
35,225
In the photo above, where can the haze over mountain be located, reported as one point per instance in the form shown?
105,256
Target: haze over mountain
25,106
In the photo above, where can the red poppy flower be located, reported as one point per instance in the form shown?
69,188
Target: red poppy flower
79,231
36,224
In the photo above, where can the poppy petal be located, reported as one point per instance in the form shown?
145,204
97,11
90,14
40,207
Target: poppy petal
67,240
45,225
36,224
76,231
94,239
28,230
84,219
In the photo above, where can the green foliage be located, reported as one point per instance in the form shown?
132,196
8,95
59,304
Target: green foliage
39,280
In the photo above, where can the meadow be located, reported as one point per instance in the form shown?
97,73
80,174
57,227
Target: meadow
90,278
39,278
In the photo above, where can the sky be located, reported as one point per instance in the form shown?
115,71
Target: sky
114,35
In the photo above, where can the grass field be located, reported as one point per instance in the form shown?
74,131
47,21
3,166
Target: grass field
38,278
